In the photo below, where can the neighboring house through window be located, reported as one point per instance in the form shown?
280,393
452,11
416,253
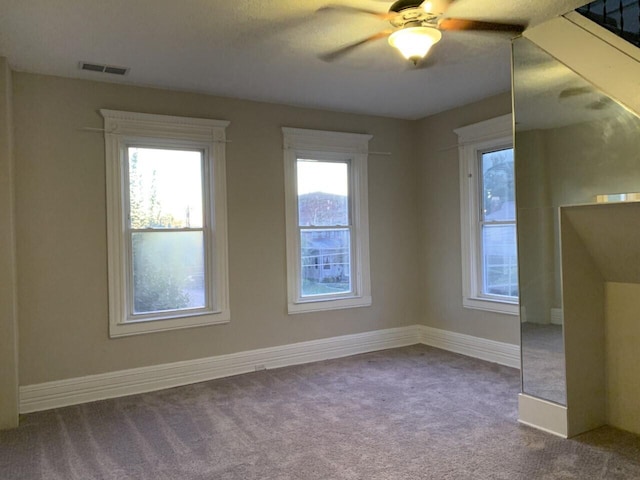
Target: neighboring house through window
166,222
488,216
327,220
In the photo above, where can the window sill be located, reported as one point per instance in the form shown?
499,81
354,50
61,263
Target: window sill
149,326
491,305
322,305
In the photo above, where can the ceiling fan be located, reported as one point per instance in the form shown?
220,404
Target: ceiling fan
416,27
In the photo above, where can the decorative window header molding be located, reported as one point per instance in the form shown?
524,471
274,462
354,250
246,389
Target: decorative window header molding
320,140
487,130
167,126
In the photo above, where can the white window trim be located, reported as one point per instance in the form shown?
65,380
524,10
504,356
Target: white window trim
125,128
472,139
303,143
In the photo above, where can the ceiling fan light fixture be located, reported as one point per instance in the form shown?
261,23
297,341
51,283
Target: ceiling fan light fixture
414,42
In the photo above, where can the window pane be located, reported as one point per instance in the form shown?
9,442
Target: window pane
323,189
165,188
326,261
498,191
499,260
168,271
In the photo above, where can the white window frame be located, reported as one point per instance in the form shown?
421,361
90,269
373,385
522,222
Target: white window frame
473,140
328,146
125,129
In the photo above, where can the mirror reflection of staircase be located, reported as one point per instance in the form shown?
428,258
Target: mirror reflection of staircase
621,17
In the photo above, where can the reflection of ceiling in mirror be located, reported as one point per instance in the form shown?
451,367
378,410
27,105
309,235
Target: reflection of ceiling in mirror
548,94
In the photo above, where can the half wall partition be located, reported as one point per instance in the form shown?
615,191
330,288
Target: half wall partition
574,147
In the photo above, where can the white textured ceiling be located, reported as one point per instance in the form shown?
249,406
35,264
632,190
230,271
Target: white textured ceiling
267,50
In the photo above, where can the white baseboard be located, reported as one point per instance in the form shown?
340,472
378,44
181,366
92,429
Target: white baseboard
543,415
73,391
490,350
61,393
556,316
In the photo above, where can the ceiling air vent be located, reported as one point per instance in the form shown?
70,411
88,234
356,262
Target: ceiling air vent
96,67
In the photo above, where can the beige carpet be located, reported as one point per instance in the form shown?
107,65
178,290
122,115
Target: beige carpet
409,413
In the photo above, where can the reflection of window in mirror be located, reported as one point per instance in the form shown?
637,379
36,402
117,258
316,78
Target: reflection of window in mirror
488,216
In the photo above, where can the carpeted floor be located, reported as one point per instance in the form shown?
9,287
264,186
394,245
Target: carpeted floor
408,413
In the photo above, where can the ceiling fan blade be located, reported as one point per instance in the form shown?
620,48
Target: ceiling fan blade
335,54
350,9
459,24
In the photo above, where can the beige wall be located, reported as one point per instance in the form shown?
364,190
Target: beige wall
440,267
60,206
8,307
567,165
583,326
61,231
622,337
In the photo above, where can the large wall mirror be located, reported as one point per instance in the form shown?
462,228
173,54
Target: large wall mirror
572,144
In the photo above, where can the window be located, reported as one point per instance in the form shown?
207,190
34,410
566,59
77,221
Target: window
488,216
166,222
327,220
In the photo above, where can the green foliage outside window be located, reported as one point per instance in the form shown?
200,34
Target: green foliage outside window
159,280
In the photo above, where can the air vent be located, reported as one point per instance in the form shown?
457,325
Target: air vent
96,67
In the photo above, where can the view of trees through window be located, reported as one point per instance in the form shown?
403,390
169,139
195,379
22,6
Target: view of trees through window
498,224
167,238
324,227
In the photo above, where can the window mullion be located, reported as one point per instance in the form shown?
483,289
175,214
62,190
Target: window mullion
324,227
482,267
166,230
354,261
497,222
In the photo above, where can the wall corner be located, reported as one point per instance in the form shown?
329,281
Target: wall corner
8,276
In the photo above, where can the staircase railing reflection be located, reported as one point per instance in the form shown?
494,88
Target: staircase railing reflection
621,17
